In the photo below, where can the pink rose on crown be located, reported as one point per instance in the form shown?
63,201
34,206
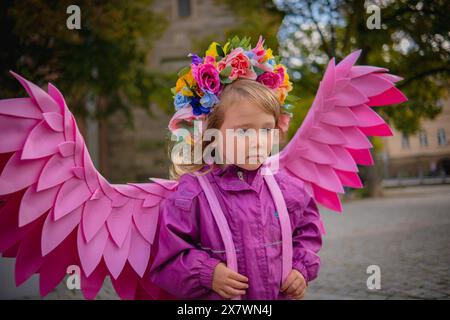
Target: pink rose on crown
270,79
240,64
207,77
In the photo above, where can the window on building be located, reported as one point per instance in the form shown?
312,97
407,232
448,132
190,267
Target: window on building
442,139
405,141
423,138
184,8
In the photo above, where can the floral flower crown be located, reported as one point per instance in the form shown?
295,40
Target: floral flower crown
199,85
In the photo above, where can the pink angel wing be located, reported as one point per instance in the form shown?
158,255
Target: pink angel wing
57,210
332,141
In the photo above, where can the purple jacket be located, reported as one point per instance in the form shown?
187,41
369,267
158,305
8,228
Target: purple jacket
188,244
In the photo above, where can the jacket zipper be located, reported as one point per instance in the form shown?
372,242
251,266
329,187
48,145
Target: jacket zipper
240,175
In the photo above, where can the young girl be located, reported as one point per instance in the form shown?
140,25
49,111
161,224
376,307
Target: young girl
224,229
190,256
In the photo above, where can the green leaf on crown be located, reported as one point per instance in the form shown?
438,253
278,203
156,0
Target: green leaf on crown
235,42
225,73
291,98
183,71
220,51
258,71
277,59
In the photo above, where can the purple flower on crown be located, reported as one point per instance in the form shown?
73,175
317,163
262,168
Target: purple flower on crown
195,58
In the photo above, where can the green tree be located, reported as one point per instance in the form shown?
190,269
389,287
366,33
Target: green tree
254,18
413,41
106,58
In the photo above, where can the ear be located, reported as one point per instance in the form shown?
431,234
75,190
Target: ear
283,122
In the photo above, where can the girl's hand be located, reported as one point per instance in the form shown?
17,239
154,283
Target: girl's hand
294,285
228,283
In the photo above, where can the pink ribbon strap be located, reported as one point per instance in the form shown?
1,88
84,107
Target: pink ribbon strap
285,222
221,221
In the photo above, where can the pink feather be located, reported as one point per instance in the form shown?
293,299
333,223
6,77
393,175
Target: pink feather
29,258
333,139
55,231
34,204
69,213
91,285
16,130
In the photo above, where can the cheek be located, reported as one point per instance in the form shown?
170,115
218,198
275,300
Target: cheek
270,141
266,140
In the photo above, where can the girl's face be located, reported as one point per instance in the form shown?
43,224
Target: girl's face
250,135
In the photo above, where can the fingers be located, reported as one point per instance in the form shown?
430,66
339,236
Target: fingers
233,292
297,284
288,282
299,294
236,284
223,294
229,292
228,283
294,285
237,276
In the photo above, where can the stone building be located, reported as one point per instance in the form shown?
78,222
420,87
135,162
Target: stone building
425,154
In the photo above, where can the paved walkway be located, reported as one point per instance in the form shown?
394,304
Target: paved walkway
406,234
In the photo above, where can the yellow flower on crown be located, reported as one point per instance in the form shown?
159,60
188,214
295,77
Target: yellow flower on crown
181,84
268,55
282,93
286,84
201,82
212,50
226,47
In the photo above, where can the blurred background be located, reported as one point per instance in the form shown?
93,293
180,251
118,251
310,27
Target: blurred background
115,62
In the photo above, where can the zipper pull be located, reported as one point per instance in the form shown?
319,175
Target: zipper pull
240,175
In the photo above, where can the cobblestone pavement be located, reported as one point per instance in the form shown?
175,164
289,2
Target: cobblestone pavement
406,234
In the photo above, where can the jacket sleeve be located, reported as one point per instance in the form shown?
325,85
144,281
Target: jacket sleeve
179,267
307,239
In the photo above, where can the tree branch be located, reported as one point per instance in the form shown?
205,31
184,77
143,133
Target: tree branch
332,31
424,74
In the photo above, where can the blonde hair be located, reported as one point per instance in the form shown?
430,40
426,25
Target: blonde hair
256,92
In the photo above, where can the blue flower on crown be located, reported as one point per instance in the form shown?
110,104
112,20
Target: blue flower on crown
197,108
249,54
209,99
181,101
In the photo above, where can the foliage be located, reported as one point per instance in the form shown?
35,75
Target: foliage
106,58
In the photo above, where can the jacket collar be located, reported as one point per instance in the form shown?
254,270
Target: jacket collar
227,178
